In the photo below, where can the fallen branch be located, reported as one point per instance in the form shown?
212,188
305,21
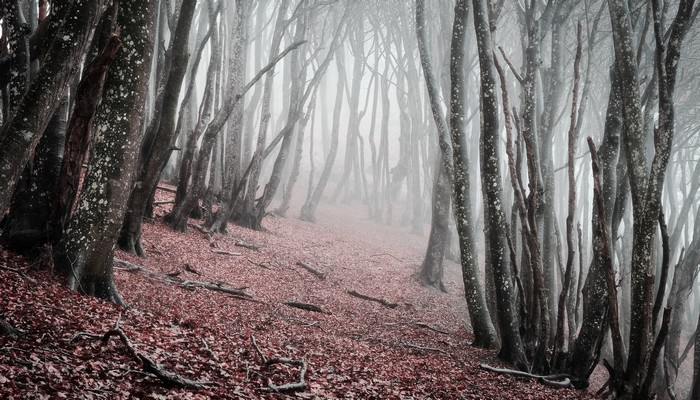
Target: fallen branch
162,202
191,269
306,306
217,287
14,270
228,253
432,328
209,351
242,243
268,362
173,277
387,254
311,269
148,364
260,264
127,266
383,302
554,380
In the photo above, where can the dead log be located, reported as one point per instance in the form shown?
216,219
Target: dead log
383,302
268,362
319,274
554,380
306,306
148,364
163,202
228,253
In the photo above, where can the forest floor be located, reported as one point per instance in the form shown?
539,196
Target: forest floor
414,346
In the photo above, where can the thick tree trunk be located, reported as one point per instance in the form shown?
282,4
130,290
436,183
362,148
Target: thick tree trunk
22,130
87,247
27,225
79,132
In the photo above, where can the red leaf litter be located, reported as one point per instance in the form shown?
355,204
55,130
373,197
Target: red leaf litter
355,349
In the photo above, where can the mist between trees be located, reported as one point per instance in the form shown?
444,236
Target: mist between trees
550,147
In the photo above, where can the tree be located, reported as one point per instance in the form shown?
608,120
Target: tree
23,129
86,249
157,149
511,345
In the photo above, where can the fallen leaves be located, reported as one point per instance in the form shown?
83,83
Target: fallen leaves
416,349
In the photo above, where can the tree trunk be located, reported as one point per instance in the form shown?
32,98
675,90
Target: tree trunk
431,270
308,210
80,127
233,175
87,247
511,345
157,152
27,225
22,130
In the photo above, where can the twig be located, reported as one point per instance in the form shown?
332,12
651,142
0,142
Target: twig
432,328
261,264
191,269
383,302
387,254
228,253
267,362
209,351
311,269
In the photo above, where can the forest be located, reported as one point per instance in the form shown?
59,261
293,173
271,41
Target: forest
349,199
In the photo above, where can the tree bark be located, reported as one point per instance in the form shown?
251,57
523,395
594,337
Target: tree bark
87,247
22,130
157,152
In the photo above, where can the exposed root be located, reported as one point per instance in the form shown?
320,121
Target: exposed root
148,364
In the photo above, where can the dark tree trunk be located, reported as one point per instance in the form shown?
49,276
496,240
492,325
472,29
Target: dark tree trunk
80,127
21,132
157,152
87,247
27,225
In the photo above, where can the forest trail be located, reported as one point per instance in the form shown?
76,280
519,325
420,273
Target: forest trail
413,346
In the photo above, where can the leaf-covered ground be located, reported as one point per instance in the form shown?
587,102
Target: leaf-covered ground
357,349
